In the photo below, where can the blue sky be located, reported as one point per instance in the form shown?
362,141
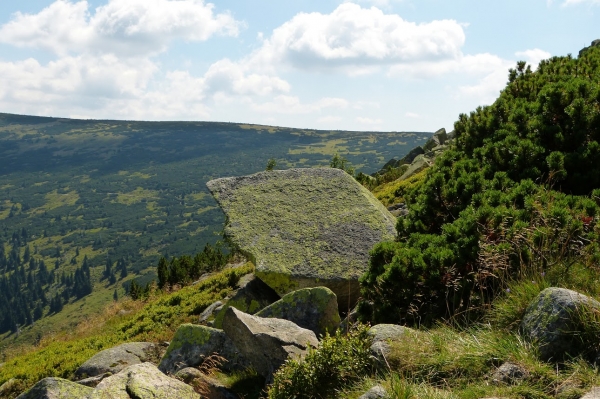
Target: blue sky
355,65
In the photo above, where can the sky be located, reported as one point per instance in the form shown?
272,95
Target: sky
387,65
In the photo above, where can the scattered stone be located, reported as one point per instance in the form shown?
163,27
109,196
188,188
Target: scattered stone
376,392
56,388
142,381
382,335
251,296
93,381
209,311
305,227
510,374
188,374
551,320
315,309
192,343
267,343
116,359
212,388
594,393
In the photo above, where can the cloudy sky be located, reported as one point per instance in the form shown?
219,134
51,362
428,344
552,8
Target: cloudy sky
329,64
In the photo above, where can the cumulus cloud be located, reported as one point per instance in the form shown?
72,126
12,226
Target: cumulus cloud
358,39
123,27
533,56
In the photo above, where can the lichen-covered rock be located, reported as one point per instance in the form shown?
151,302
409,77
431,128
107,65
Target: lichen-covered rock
141,381
56,388
509,373
552,321
375,392
594,393
304,227
116,359
93,381
383,335
251,295
267,343
188,374
313,308
192,343
209,311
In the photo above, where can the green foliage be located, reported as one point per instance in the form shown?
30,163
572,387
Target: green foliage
271,163
156,321
339,361
342,163
482,215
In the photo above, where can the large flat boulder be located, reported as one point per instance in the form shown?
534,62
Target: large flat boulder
193,343
304,227
116,359
56,388
315,309
142,381
267,343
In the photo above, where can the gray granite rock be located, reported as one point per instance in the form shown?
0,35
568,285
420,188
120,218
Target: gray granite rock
56,388
116,359
383,335
510,374
377,392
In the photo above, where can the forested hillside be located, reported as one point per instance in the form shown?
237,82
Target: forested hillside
85,206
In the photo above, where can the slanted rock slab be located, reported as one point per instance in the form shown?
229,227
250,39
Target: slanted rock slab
116,359
552,321
56,388
304,227
192,343
267,343
315,309
251,295
142,381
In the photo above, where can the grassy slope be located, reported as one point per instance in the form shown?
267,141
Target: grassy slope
125,321
135,190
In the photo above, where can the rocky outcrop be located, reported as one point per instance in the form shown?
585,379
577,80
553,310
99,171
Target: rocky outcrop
142,381
116,359
595,43
315,309
304,227
377,392
251,295
56,388
552,320
193,343
383,335
267,343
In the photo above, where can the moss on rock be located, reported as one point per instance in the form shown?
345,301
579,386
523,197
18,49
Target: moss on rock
304,227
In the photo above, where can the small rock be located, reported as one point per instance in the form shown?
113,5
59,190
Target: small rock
215,307
56,388
188,374
382,335
93,381
315,309
376,392
551,320
192,343
267,343
141,381
116,359
509,373
594,393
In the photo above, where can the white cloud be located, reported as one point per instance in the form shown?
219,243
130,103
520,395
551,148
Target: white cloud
369,121
533,56
357,40
228,76
123,27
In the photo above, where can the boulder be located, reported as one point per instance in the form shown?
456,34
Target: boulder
188,374
509,373
418,164
315,309
304,227
267,343
382,335
142,381
209,311
192,343
116,359
552,321
93,381
376,392
56,388
251,295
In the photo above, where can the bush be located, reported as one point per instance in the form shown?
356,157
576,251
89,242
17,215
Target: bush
339,361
